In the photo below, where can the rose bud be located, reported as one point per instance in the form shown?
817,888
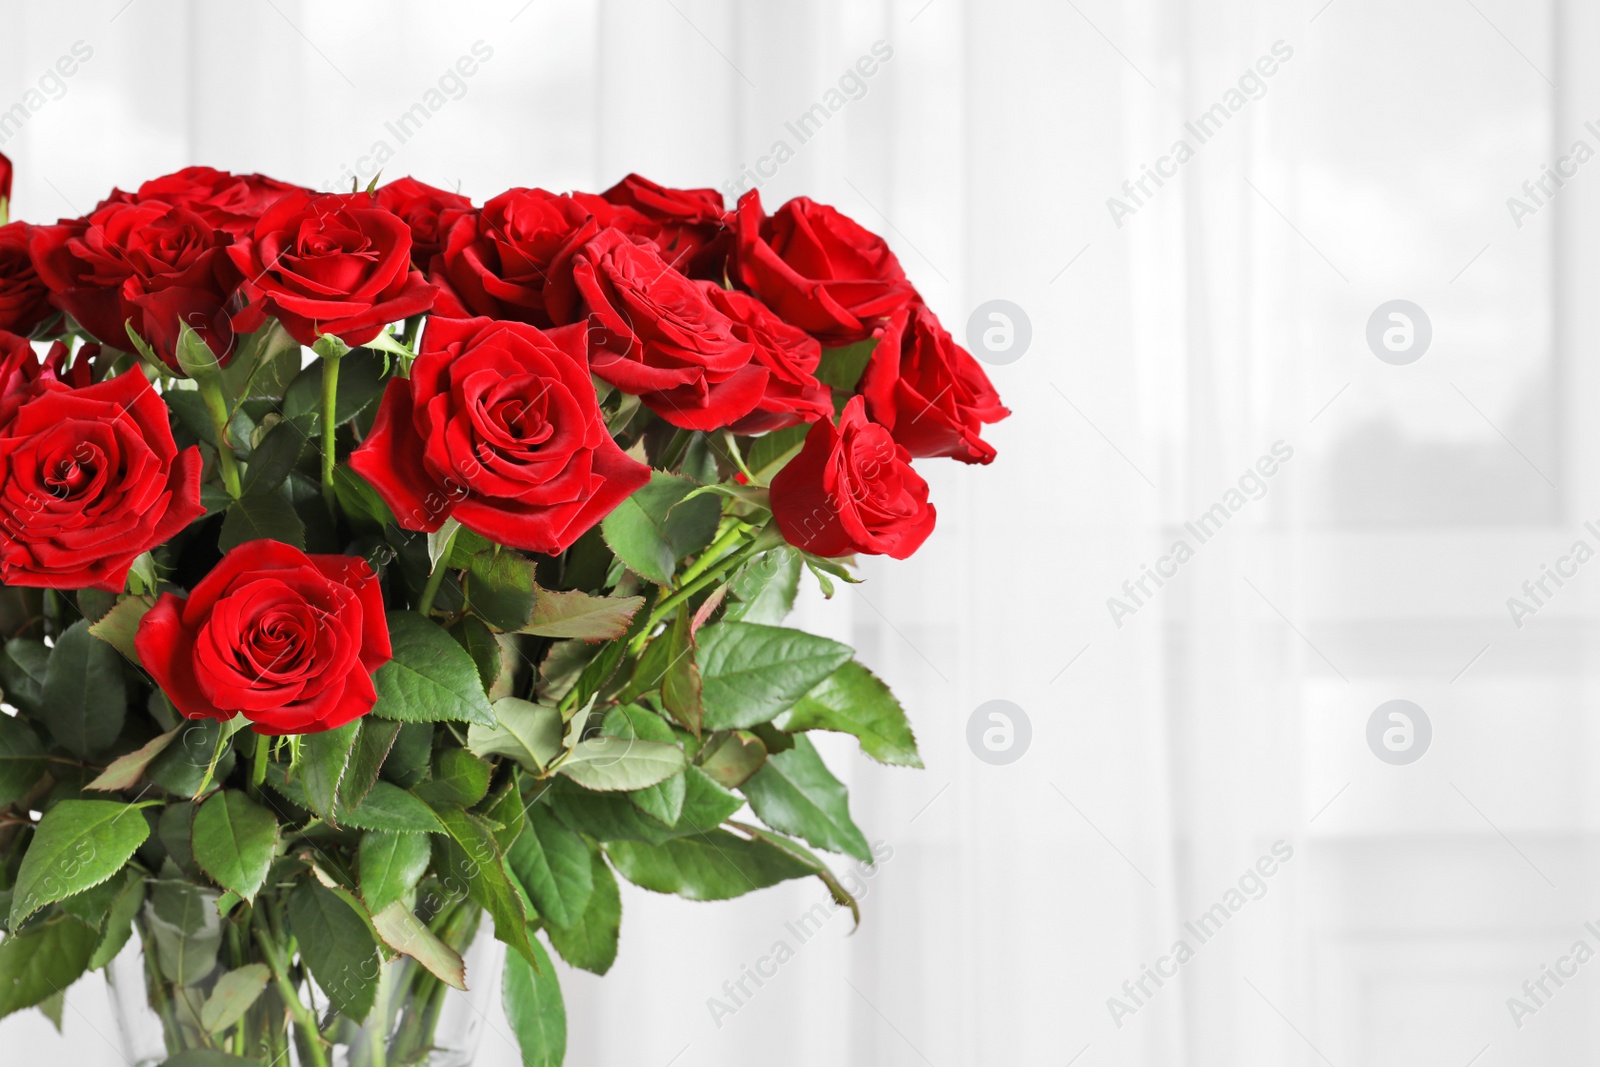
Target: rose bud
928,390
852,490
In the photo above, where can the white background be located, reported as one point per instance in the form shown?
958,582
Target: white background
1226,313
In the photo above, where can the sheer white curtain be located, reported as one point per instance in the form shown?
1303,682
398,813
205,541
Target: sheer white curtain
1177,339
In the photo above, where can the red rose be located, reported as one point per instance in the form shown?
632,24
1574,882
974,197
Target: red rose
86,366
499,427
511,258
329,263
20,373
287,639
790,355
427,210
24,298
928,390
818,269
656,334
150,262
5,178
852,490
686,224
89,478
229,202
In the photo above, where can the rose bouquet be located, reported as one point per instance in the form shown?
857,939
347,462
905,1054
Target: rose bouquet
382,575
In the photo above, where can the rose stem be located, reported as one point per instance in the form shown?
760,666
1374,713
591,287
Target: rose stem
217,408
330,395
727,564
277,960
258,764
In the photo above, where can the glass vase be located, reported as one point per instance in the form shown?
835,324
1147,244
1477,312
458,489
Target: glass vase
164,987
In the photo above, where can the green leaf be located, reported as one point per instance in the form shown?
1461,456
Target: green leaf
532,998
655,527
264,365
751,672
357,499
117,626
769,453
552,863
187,930
84,693
78,844
459,777
471,855
408,756
373,744
41,962
853,701
473,635
404,932
764,591
22,761
172,832
610,763
273,459
794,793
22,672
733,759
232,996
234,841
390,865
430,679
125,771
591,941
500,588
258,516
577,615
386,807
337,946
91,905
505,808
841,368
682,687
528,733
664,799
715,866
323,759
118,925
705,804
841,895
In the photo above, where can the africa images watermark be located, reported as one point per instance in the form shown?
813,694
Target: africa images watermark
737,992
1252,86
1540,190
1537,591
51,85
852,86
449,86
1252,885
1537,991
1252,485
